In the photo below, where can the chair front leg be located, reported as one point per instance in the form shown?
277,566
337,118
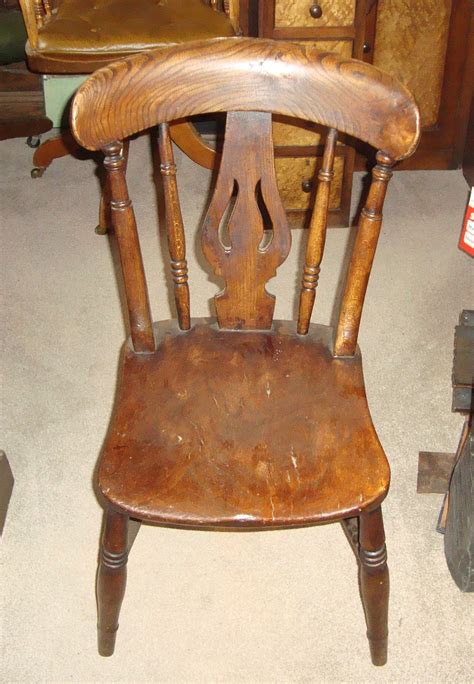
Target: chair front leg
111,578
374,582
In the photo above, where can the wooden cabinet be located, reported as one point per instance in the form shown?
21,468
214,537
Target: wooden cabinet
427,44
329,26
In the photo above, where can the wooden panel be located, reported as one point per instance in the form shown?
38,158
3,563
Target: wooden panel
297,13
292,172
297,132
247,172
411,43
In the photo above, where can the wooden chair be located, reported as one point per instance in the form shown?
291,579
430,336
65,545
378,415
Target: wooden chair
79,36
244,422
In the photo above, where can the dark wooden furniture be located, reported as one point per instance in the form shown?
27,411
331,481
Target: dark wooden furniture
459,533
79,36
453,474
21,94
22,111
427,45
244,422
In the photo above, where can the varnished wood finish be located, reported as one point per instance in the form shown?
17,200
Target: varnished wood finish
361,261
186,137
317,236
174,228
236,429
298,13
123,221
374,582
288,79
54,148
297,189
248,164
111,578
105,218
244,422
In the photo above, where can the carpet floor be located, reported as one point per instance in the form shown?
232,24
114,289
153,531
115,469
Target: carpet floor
204,607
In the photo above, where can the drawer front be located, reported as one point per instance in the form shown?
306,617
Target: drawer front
293,172
285,130
306,13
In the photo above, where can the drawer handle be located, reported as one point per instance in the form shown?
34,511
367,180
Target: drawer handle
307,186
316,11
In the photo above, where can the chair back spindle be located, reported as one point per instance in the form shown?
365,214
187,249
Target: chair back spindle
247,164
317,235
123,221
174,228
361,259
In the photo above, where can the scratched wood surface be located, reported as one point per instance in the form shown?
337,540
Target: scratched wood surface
228,446
248,166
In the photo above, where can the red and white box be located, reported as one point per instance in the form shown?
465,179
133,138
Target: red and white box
466,241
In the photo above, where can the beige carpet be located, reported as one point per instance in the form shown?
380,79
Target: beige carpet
201,606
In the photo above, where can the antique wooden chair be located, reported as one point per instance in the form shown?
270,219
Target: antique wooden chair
244,421
79,36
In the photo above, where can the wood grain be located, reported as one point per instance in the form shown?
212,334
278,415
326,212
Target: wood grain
317,235
200,77
292,172
411,44
297,132
254,429
248,164
174,228
123,221
363,254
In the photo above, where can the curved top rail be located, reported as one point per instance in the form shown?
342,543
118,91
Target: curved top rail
246,74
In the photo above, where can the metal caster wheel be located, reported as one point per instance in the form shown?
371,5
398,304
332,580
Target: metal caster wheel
100,230
37,172
33,141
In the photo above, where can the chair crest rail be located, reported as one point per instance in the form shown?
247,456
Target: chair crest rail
167,84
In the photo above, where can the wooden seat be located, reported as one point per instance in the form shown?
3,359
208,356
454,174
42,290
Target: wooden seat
209,430
243,421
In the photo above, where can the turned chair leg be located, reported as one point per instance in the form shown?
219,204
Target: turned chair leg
105,218
374,582
111,578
